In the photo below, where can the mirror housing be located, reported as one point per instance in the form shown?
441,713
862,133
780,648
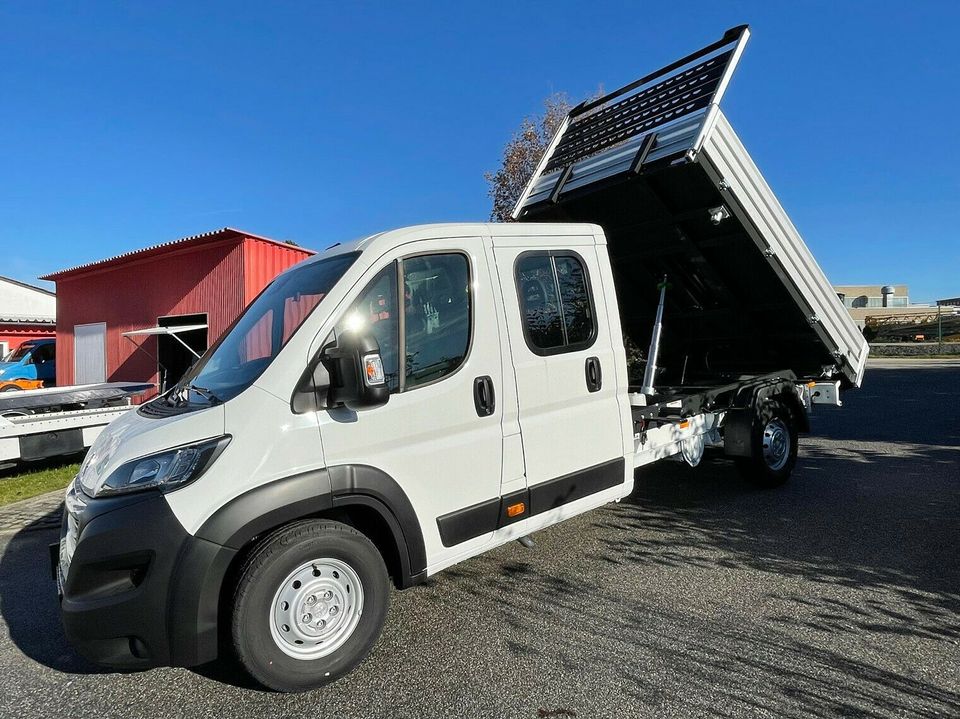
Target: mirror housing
357,378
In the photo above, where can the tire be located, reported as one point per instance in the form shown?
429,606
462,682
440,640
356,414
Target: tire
320,569
10,388
773,443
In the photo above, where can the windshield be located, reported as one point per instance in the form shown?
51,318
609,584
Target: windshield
247,348
19,353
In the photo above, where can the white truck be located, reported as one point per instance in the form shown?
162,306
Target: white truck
404,402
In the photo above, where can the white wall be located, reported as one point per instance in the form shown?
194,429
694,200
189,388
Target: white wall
19,301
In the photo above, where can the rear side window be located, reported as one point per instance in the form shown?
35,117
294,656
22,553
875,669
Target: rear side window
555,303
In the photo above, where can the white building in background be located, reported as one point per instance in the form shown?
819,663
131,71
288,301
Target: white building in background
26,313
873,296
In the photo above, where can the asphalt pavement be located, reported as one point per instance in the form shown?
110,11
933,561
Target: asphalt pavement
836,595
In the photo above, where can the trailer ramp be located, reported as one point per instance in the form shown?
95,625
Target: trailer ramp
659,167
51,399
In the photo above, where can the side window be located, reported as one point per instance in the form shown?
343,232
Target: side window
436,318
377,308
436,299
43,354
574,300
555,303
539,302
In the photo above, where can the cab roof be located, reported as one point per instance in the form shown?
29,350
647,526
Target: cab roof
383,241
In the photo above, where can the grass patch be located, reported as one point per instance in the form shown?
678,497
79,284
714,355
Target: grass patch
35,481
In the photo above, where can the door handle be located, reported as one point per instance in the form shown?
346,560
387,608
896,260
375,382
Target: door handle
594,374
483,398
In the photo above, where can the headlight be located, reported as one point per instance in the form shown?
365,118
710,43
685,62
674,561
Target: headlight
167,470
97,460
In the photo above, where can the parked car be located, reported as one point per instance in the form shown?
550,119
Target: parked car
31,366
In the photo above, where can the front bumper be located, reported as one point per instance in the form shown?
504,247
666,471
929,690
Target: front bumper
136,589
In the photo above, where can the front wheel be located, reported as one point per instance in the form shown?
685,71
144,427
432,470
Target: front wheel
773,446
309,605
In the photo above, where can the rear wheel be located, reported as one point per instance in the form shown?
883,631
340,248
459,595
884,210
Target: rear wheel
309,605
773,443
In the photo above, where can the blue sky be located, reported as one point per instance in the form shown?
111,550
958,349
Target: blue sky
129,124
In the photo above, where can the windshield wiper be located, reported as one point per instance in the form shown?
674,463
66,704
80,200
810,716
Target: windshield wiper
179,395
203,392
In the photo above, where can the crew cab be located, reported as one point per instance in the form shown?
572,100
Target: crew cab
404,402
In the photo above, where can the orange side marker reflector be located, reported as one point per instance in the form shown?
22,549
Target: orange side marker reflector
515,510
684,424
811,385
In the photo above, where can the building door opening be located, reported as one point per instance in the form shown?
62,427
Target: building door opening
173,358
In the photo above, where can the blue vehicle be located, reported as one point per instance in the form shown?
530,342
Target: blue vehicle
31,366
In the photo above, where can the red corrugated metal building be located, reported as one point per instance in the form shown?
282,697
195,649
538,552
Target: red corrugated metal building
14,331
204,280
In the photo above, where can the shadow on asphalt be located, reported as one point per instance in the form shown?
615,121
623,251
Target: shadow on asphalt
858,516
862,518
29,607
28,599
713,519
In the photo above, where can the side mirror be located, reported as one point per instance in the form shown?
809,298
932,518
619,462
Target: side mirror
357,378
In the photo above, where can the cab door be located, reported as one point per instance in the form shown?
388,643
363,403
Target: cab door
44,362
562,346
430,306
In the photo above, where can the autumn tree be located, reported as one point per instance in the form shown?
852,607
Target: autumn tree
520,159
522,155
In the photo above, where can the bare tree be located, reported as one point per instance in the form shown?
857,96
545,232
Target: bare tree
522,155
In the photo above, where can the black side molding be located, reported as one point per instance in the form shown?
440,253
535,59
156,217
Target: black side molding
571,487
470,522
489,515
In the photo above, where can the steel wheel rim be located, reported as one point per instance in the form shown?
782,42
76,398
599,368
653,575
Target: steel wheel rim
776,444
316,609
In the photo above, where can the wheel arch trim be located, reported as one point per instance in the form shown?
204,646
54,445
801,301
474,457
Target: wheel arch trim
299,496
739,418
